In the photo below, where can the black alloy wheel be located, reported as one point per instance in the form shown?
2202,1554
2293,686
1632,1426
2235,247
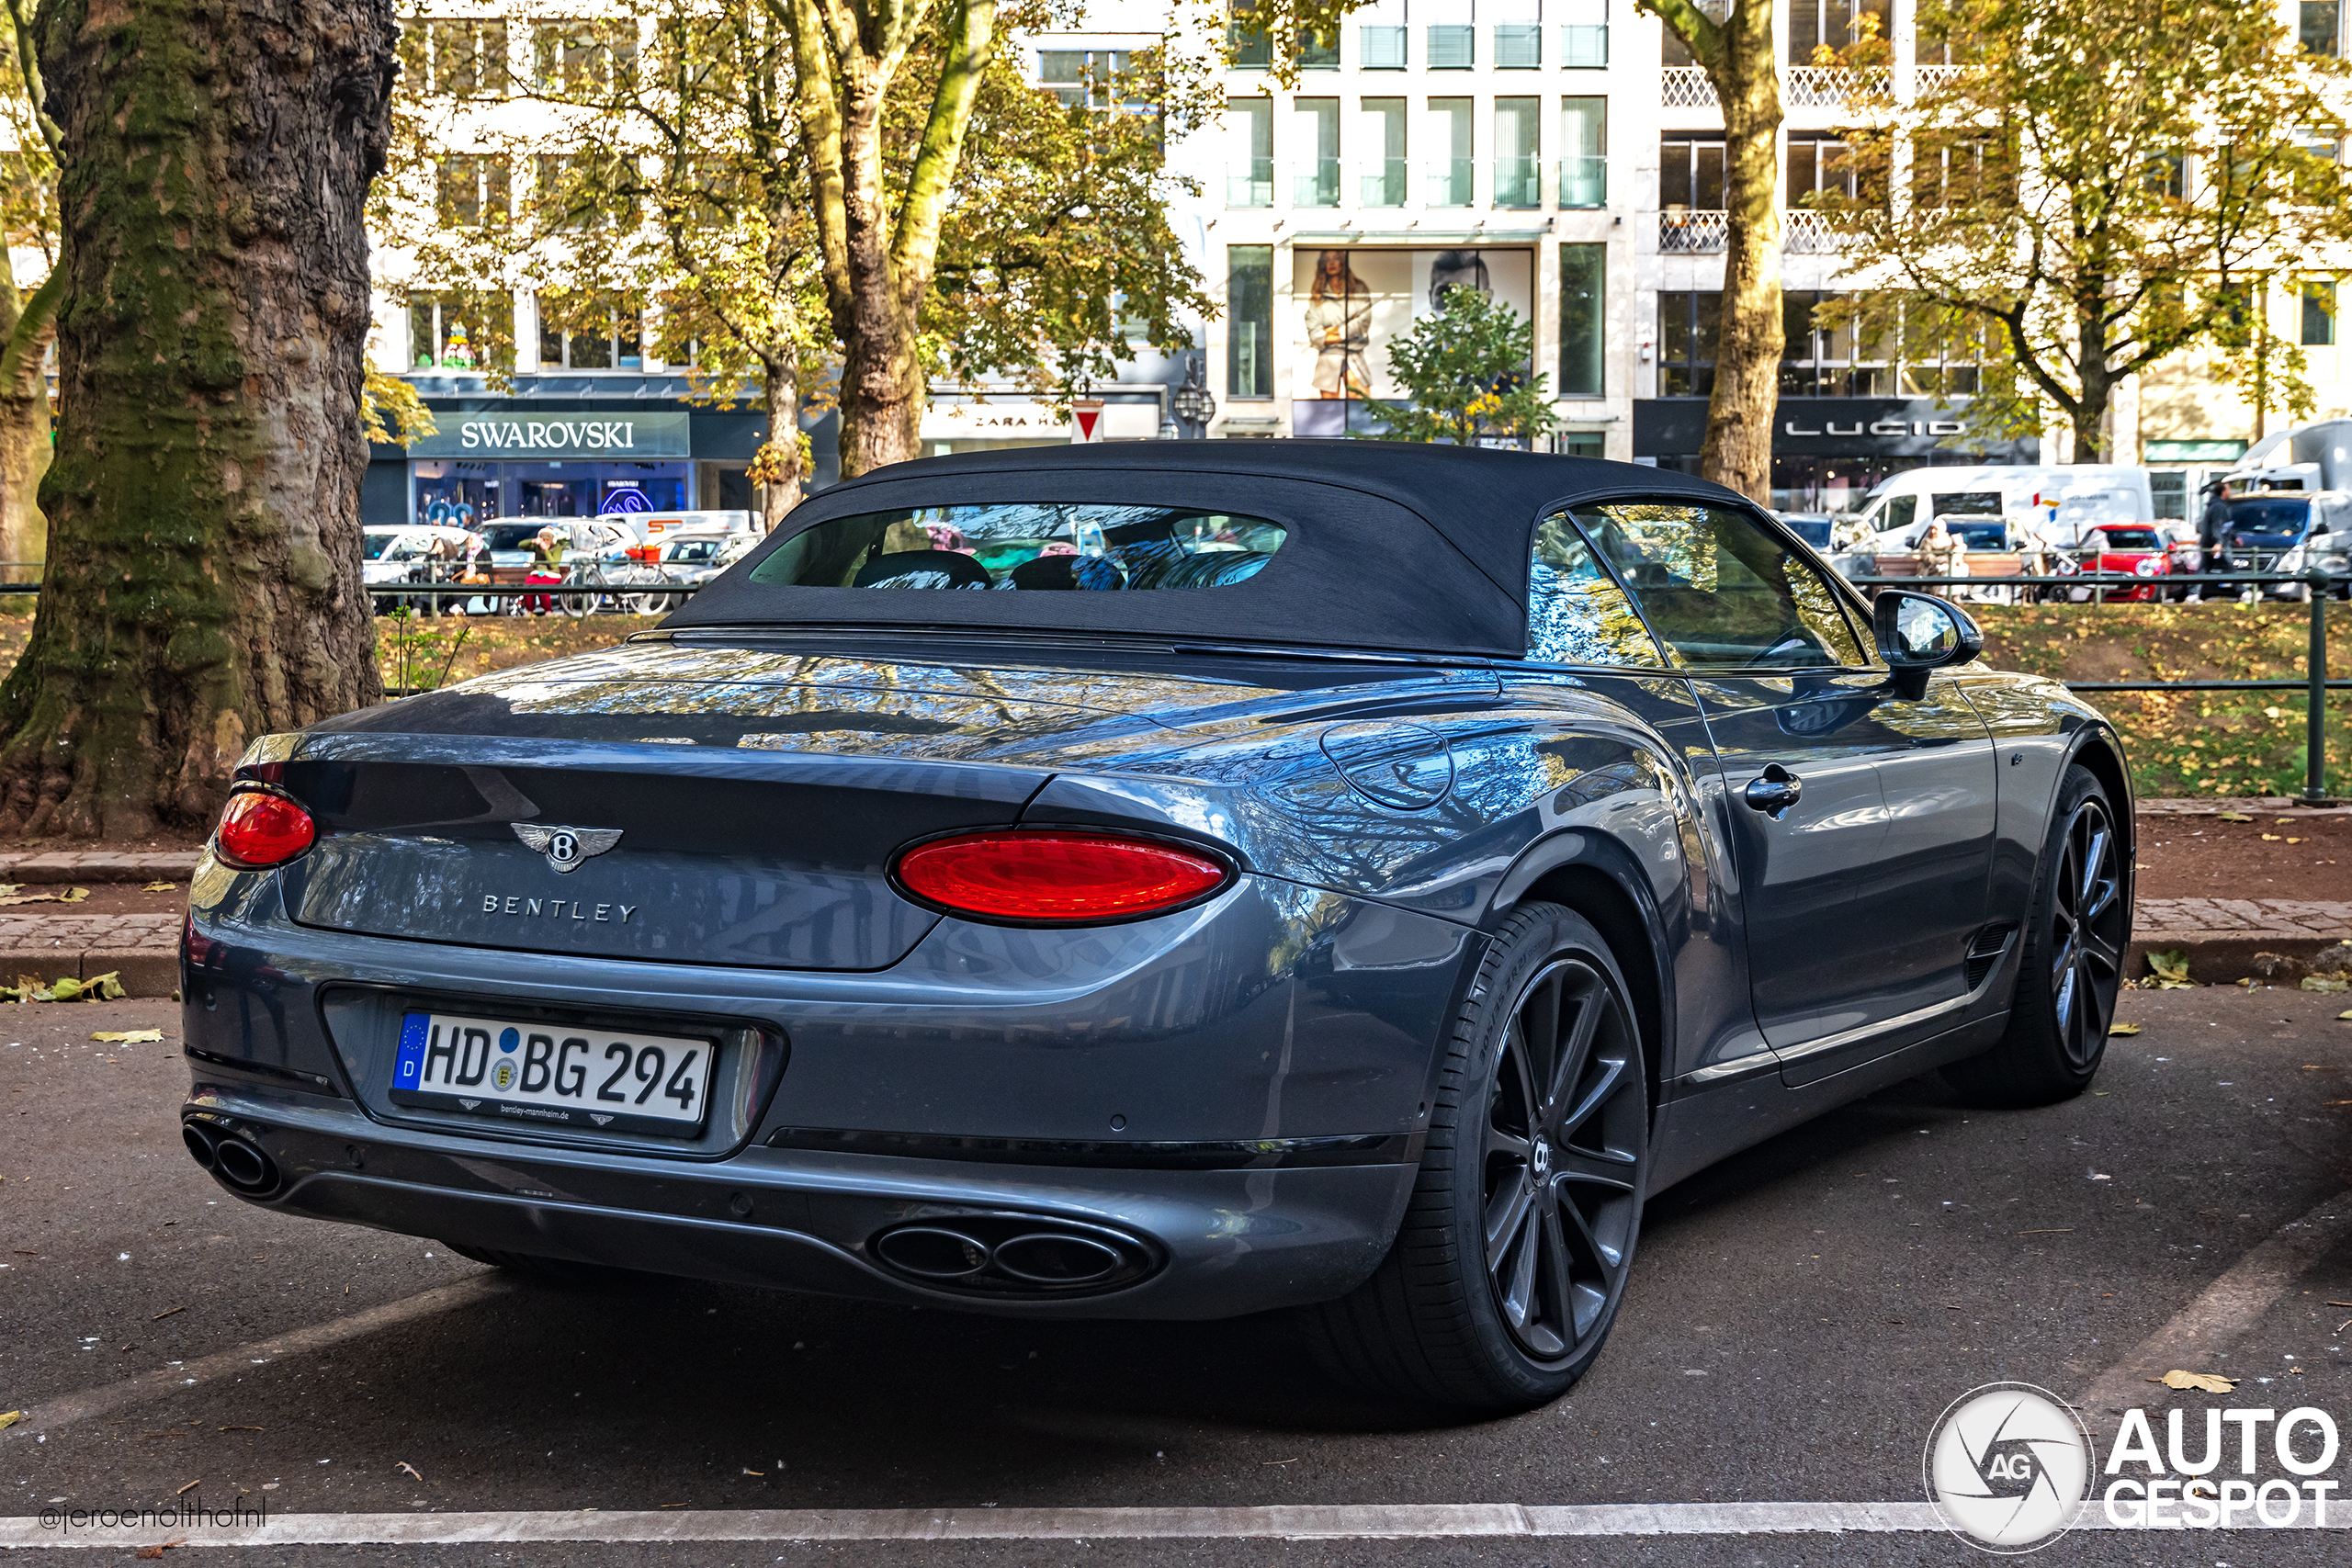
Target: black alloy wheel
1565,1139
2072,965
1517,1238
2087,963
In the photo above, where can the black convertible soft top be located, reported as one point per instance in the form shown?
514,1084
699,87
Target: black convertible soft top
1392,545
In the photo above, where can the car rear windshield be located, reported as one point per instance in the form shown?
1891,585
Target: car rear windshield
1027,545
2275,515
373,545
2131,538
511,536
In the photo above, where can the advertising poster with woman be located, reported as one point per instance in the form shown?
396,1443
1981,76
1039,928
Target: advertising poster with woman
1353,303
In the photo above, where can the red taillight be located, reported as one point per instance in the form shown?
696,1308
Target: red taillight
1062,878
258,828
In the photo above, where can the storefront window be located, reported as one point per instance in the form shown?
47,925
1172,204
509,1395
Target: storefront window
461,331
1583,299
1249,314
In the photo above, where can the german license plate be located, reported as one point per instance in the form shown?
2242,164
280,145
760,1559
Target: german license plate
553,1075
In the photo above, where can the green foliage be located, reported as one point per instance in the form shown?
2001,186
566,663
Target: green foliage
2098,186
1466,369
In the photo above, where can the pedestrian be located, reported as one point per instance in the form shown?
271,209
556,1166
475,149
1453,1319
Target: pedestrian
436,569
1942,553
547,566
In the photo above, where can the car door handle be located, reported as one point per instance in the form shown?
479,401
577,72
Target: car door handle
1773,791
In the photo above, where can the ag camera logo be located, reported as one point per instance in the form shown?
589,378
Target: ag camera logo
2008,1466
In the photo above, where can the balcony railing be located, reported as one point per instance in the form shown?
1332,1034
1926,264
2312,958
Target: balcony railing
1685,87
1692,231
1382,181
1315,182
1584,47
1805,233
1446,182
1249,182
1518,182
1816,87
1584,182
1935,78
1519,46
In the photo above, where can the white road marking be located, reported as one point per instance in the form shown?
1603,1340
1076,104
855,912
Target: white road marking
2222,1312
49,1415
1290,1522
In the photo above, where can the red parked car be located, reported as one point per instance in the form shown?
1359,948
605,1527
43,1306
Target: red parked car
2133,548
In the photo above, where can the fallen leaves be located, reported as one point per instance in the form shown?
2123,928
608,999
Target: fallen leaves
2320,983
2124,1029
159,887
2345,1017
105,988
129,1036
2170,970
2233,816
8,895
410,1467
150,1553
2269,838
10,1418
2203,1382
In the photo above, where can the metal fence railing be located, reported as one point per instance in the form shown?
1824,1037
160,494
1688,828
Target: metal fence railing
2314,683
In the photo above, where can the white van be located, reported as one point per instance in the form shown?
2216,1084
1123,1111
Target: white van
2307,457
2060,500
651,526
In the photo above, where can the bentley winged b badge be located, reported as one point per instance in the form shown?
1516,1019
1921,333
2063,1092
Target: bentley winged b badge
566,847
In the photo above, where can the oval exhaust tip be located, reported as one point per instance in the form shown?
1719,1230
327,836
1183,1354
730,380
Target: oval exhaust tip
200,1146
244,1166
1046,1257
932,1253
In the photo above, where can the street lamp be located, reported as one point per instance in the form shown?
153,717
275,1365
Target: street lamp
1192,403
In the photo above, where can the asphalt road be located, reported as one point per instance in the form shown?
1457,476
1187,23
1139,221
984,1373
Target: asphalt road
1799,1317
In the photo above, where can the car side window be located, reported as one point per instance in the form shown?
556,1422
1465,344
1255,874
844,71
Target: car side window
1720,591
1575,612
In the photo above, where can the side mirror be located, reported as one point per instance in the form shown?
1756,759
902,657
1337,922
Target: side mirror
1918,633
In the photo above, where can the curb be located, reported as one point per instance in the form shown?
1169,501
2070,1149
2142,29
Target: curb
98,866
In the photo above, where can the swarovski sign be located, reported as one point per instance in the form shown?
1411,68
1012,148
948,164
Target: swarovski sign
540,437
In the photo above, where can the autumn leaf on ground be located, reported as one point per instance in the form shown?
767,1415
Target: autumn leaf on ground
2313,982
2126,1030
159,887
2235,816
2203,1383
2345,1017
129,1036
2170,969
10,1418
2269,838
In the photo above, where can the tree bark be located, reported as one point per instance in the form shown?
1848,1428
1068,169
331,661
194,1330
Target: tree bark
203,584
783,478
1742,63
26,326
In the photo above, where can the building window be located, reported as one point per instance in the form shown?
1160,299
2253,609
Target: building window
1690,172
1249,317
1449,138
469,190
1584,36
585,190
2319,315
1380,39
1318,52
1314,136
1089,78
1941,353
1381,169
582,58
1948,171
1822,359
459,330
1835,24
1672,54
577,331
1249,151
1818,164
460,57
1686,342
2322,27
1584,151
1518,34
1580,443
1244,44
1452,36
1583,330
1518,169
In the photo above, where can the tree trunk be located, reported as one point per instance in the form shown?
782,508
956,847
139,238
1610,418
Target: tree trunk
1741,413
782,474
204,583
882,382
27,325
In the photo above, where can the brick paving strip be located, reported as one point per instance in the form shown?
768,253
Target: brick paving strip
2225,939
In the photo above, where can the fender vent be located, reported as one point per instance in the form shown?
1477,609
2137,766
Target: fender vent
1985,952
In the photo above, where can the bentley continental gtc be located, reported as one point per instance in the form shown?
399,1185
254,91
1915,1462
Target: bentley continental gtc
1159,881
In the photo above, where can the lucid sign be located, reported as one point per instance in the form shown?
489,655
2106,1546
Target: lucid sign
534,436
1874,427
1829,427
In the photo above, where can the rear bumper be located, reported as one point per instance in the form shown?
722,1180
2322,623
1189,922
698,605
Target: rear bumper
1237,1089
1221,1243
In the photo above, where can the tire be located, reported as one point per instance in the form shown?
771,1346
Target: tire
1449,1318
2078,926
